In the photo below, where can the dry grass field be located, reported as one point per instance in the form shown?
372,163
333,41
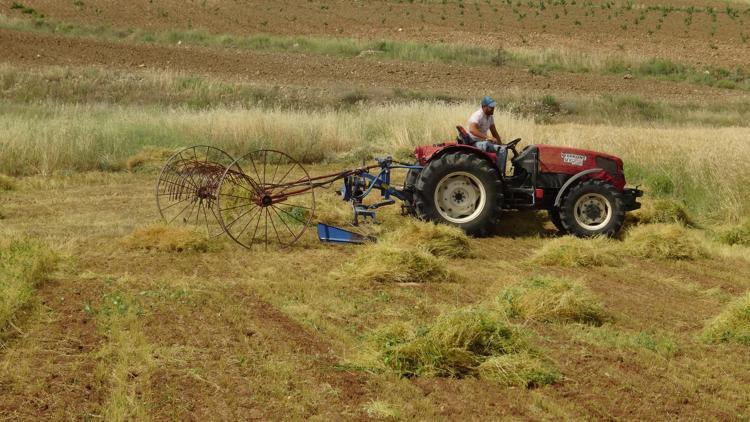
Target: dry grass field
108,314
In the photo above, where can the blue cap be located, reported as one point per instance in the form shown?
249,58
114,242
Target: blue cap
489,102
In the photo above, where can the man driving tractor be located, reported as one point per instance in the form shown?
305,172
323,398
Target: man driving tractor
479,123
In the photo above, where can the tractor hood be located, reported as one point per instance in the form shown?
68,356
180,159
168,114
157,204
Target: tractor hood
557,159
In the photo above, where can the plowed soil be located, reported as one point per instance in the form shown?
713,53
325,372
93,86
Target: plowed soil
586,26
34,49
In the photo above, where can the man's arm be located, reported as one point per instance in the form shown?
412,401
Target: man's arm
474,130
493,129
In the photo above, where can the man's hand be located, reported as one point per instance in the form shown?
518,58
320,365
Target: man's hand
496,135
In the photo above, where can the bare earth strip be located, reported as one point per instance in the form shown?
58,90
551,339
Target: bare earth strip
48,372
298,69
585,26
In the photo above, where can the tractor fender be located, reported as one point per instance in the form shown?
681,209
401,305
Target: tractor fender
572,180
490,157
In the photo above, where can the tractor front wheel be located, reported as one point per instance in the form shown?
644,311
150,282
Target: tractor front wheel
459,189
591,208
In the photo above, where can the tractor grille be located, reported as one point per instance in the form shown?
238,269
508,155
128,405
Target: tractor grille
610,166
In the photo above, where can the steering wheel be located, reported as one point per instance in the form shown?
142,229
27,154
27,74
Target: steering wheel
512,146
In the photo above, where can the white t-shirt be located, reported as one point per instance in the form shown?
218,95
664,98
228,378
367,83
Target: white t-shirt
482,120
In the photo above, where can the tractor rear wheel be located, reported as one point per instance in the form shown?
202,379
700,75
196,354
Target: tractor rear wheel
410,183
459,189
554,217
591,208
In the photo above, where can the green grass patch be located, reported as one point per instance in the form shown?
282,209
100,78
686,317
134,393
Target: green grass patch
675,192
659,68
549,299
23,265
732,325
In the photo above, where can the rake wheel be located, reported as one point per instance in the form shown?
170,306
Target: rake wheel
265,198
186,187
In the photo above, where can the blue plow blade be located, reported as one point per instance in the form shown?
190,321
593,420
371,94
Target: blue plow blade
333,234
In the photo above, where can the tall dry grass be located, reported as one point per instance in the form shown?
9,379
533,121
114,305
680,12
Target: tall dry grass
706,168
23,85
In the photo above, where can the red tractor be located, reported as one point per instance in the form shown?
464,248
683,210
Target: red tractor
583,191
266,197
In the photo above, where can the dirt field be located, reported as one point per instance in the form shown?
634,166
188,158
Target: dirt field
228,339
336,73
223,333
694,47
491,23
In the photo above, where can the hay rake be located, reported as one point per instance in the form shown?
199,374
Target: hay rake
264,197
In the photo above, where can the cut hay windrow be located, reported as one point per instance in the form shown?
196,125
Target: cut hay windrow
569,251
732,325
384,262
459,343
437,239
166,238
548,299
330,209
663,211
7,183
736,235
519,370
663,241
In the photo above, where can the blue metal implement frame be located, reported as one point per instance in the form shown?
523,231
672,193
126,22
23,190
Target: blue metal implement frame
333,234
357,187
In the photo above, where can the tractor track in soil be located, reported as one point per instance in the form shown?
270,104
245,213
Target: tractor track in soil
56,350
256,325
36,49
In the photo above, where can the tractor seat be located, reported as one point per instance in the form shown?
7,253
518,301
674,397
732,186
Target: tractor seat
463,136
